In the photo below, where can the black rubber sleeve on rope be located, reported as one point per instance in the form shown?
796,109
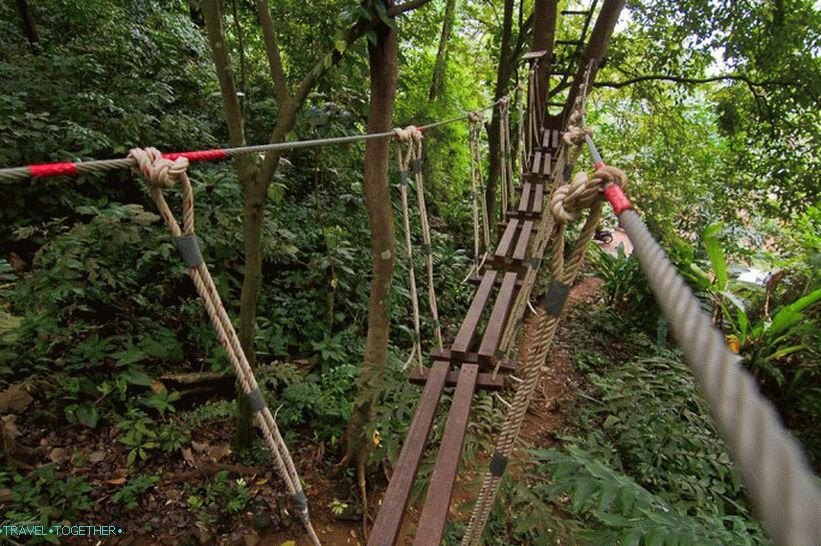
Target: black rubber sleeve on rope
256,401
568,169
301,503
189,248
416,165
536,262
426,250
403,178
498,464
555,298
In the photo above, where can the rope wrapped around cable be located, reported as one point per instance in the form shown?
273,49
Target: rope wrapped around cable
411,138
159,173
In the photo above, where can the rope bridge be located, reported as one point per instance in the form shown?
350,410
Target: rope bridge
779,482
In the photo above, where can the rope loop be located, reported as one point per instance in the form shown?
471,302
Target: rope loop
569,200
409,134
476,117
158,171
574,136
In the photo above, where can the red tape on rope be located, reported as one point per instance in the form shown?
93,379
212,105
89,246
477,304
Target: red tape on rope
200,155
618,200
47,170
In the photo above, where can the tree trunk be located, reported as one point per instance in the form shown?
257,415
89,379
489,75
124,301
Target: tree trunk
29,27
438,78
503,73
383,72
544,32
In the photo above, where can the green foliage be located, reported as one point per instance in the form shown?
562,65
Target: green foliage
219,500
617,510
43,497
130,494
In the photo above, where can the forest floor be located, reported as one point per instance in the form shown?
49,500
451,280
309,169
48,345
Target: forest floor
547,415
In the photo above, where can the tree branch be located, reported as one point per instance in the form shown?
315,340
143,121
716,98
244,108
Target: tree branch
407,6
683,79
269,35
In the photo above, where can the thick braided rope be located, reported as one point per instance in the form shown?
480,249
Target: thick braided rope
778,480
479,206
427,250
566,159
542,327
163,173
403,157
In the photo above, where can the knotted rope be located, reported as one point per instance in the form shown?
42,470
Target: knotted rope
411,138
160,173
506,155
480,214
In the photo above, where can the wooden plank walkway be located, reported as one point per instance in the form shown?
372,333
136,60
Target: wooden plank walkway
473,349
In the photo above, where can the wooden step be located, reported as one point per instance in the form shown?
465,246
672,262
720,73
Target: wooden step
524,200
523,241
496,323
476,279
484,381
467,331
506,241
435,511
508,366
386,528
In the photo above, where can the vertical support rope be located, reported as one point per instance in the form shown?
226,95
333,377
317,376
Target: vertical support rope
158,173
404,160
427,250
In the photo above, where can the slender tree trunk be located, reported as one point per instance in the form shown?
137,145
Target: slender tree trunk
29,26
438,78
503,73
383,72
544,32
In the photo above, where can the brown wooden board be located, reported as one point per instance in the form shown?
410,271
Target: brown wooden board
392,511
496,322
546,164
503,248
507,366
476,279
432,522
461,345
537,159
523,241
538,198
524,201
484,381
555,133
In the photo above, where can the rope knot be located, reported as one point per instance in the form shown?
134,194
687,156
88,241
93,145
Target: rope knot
409,134
476,117
158,171
574,135
569,200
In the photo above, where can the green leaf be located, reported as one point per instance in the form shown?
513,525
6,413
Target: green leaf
137,377
87,415
716,255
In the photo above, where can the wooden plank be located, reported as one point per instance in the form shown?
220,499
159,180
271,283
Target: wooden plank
434,516
484,381
537,158
524,240
538,198
496,322
506,241
461,344
476,279
546,164
386,528
556,138
546,139
508,366
524,201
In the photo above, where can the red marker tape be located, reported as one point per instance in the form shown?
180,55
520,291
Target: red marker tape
47,170
618,200
200,155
